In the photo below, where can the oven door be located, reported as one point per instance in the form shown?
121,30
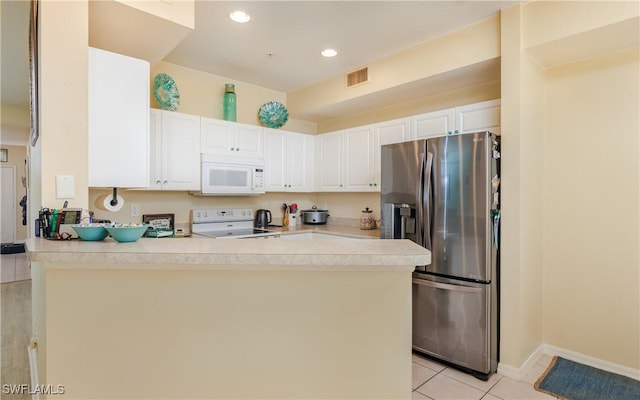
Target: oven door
231,179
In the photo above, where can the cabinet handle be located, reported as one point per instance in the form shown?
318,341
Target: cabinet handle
165,182
232,149
375,184
371,184
158,182
237,148
449,132
457,131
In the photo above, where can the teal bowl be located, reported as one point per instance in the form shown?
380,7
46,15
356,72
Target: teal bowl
127,233
91,233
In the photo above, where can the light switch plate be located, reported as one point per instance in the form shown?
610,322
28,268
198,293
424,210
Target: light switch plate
65,187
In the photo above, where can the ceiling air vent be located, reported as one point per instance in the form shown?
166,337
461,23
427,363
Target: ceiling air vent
358,77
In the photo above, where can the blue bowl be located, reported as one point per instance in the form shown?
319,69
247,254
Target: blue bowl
91,233
127,233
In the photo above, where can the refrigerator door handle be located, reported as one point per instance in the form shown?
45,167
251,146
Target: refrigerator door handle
447,286
419,209
426,203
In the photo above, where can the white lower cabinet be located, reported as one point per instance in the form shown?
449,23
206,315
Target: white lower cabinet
289,161
175,151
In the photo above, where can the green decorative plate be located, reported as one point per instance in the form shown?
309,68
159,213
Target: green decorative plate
273,114
166,92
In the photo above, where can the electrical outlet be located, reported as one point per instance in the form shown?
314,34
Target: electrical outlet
135,210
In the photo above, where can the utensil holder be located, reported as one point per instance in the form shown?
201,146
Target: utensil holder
292,220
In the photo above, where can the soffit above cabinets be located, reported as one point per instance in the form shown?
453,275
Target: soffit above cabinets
144,30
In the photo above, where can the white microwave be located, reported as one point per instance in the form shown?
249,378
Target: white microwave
229,176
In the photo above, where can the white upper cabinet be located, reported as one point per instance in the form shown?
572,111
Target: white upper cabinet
175,151
231,138
477,117
483,116
388,132
289,161
346,160
330,161
394,131
360,148
437,123
118,105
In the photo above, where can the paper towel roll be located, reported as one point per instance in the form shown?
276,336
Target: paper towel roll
104,203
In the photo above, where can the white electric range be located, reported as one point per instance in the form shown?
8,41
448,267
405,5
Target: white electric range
227,223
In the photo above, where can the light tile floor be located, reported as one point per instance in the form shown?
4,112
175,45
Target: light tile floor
435,381
14,267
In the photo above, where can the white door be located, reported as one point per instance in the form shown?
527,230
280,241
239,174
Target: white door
217,137
8,205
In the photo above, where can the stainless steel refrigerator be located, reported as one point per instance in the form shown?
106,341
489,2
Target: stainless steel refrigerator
443,193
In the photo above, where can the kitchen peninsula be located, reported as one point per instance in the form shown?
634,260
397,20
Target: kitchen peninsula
239,318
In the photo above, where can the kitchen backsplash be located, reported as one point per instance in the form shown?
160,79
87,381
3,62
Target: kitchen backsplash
344,208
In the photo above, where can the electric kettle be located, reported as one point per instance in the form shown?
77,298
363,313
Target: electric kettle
263,218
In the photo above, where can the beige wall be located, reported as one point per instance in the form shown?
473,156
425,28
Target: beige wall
15,123
62,147
521,198
592,208
201,94
340,205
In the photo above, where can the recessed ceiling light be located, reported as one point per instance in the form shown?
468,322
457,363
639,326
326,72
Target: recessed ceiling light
240,16
329,53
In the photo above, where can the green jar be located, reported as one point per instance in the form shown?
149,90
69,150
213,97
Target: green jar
229,102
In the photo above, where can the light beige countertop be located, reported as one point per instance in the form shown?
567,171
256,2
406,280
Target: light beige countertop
207,253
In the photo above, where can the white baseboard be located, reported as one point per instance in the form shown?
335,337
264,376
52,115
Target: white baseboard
518,373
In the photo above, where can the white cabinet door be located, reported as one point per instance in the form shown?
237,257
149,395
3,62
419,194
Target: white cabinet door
359,159
231,138
118,120
180,151
274,161
217,136
388,132
155,149
484,116
330,165
394,131
300,165
289,161
174,151
437,123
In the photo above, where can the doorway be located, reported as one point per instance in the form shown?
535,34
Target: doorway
8,205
